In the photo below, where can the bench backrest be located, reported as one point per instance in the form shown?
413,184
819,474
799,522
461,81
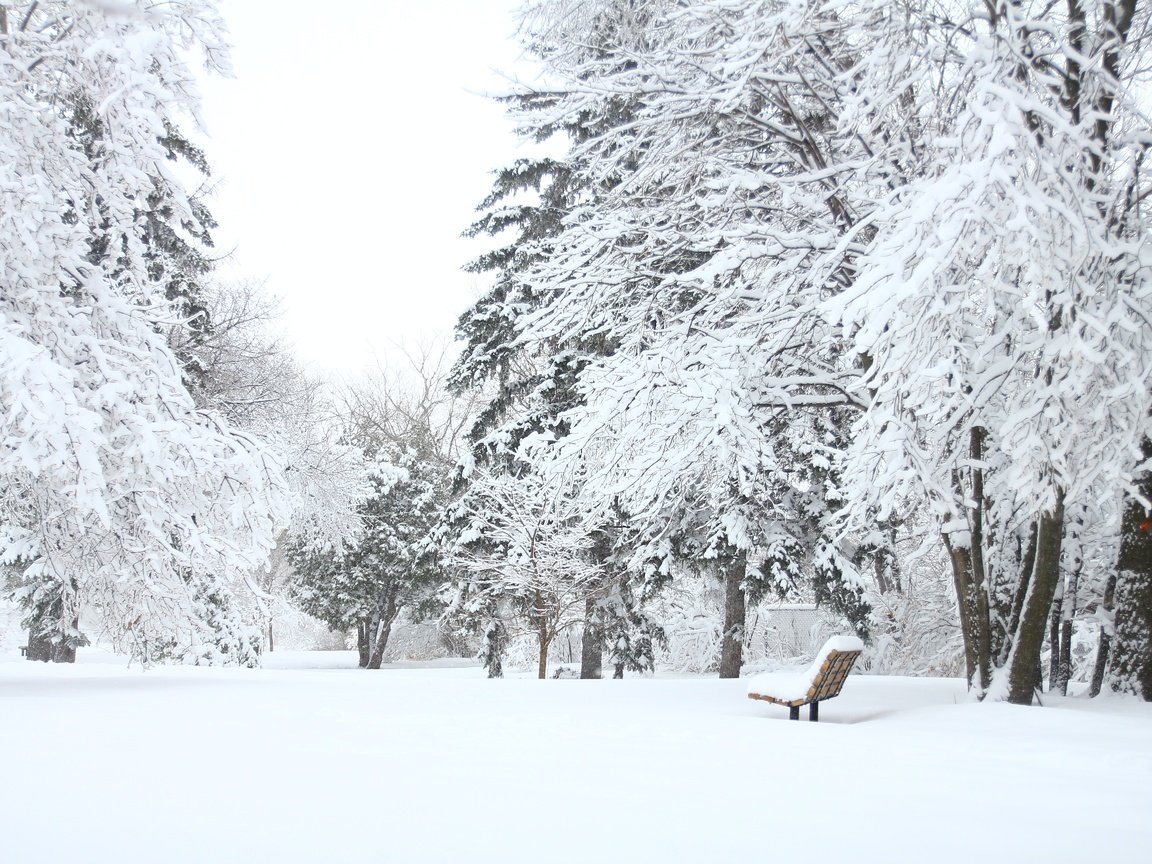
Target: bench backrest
833,673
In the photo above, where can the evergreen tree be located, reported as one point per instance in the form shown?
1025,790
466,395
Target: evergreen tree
527,387
365,584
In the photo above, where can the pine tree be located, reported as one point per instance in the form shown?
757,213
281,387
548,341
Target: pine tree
528,388
366,583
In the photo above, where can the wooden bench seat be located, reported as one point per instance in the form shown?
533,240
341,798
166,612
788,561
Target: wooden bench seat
824,679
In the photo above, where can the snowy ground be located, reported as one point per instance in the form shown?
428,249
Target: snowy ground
311,761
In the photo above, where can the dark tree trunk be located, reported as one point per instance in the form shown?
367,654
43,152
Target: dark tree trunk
1068,616
539,619
961,563
983,629
592,644
380,630
881,574
1023,589
1131,661
966,556
1023,580
1104,649
362,643
1029,635
377,642
542,660
271,641
595,627
1064,670
1054,618
1130,664
732,645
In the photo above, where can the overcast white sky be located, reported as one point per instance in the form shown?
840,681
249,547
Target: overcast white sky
352,148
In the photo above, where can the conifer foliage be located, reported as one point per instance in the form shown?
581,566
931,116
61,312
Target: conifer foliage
365,583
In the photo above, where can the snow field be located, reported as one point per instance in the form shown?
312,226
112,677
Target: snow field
438,764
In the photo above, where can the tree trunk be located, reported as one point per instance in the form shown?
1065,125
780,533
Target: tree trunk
983,629
271,641
1010,617
880,571
1064,669
381,630
1107,628
1068,603
1029,637
1131,661
362,643
377,642
897,581
592,644
539,620
1023,587
545,643
732,646
961,563
595,616
1054,619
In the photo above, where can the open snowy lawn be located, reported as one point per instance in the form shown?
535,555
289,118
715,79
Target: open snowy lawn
99,763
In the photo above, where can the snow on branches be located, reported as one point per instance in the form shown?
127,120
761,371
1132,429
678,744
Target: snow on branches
828,265
115,485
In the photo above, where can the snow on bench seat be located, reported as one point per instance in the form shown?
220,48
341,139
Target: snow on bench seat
824,679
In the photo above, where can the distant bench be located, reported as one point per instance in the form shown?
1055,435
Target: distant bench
23,650
824,679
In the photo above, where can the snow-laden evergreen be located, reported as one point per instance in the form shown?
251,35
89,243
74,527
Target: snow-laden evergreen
363,583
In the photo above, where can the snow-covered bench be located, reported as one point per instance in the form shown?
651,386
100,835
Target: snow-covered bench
823,679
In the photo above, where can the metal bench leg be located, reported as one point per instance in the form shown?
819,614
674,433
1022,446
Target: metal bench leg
794,712
814,711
